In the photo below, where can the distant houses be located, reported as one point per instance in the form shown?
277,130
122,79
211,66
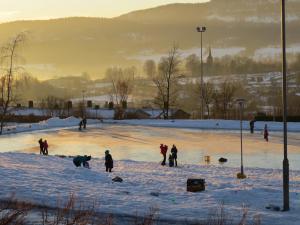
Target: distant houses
95,112
180,114
155,114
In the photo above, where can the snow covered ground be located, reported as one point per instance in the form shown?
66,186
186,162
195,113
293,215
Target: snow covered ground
44,179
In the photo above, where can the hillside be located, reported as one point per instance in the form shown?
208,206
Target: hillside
71,46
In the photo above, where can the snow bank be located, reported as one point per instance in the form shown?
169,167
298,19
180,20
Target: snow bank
54,122
212,124
44,179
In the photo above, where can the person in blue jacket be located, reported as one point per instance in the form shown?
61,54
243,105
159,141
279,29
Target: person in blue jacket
82,160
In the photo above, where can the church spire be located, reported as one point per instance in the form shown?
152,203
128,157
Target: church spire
209,62
209,59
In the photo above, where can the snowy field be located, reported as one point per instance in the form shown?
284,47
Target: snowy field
44,179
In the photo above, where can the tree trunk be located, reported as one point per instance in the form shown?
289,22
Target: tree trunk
1,126
208,113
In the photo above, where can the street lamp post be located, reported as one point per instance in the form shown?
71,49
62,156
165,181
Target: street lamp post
241,103
201,30
286,204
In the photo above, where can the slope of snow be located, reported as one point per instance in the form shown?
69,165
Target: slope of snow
53,122
43,180
211,124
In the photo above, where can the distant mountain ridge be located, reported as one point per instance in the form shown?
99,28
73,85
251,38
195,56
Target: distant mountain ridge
71,46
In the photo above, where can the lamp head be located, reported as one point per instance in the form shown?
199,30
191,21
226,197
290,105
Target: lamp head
201,29
240,101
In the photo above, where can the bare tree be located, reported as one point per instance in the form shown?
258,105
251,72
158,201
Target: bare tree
298,79
126,83
274,97
208,95
166,80
149,68
226,96
8,72
223,97
193,65
293,104
122,82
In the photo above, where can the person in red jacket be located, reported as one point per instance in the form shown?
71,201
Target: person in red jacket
45,147
266,133
163,151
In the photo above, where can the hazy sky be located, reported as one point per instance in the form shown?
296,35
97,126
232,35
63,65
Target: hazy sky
45,9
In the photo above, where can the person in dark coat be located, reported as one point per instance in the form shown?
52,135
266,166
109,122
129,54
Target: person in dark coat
82,160
80,125
109,163
266,133
84,121
45,145
163,151
252,126
41,146
174,154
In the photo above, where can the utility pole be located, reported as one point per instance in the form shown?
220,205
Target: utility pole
286,201
241,103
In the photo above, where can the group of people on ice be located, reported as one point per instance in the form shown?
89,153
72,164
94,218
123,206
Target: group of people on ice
43,147
83,160
172,156
265,131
